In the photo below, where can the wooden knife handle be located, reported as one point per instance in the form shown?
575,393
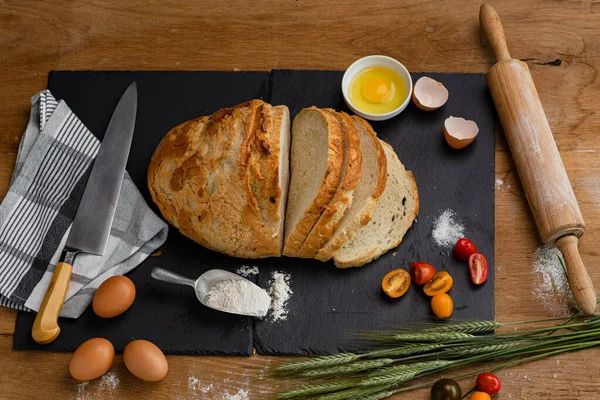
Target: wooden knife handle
579,280
45,327
493,31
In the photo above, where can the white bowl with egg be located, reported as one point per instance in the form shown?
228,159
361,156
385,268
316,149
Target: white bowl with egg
369,62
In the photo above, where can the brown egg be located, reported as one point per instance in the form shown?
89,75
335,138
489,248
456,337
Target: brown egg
114,296
429,94
92,359
460,132
144,360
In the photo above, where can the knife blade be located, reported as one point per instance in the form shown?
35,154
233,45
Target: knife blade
91,227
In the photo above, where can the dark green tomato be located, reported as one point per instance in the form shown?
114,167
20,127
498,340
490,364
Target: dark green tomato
446,389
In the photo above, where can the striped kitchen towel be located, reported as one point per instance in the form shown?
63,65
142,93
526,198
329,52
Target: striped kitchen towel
54,160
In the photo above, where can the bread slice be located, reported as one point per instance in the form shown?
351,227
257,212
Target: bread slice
333,213
222,180
392,217
368,192
316,166
268,168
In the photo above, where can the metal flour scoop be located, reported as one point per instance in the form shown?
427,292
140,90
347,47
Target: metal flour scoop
249,299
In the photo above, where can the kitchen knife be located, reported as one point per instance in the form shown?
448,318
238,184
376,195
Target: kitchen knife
91,227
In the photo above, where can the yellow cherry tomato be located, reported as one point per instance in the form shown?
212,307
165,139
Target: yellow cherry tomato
440,283
441,304
396,283
480,396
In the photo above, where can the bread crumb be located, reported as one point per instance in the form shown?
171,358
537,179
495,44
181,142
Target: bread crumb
157,253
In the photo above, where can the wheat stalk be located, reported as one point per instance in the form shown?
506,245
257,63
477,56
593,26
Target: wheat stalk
315,390
352,394
455,341
406,350
419,367
346,369
431,337
317,362
390,379
471,350
472,327
376,396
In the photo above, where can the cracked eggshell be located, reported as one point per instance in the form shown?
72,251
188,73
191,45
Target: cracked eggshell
429,94
460,132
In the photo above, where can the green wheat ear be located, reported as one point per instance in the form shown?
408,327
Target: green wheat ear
431,337
317,362
345,369
472,327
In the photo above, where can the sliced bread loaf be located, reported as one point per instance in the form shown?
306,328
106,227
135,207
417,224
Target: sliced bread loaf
222,180
316,166
333,213
368,192
392,217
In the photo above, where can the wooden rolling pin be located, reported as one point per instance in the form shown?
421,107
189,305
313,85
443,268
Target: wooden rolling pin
536,156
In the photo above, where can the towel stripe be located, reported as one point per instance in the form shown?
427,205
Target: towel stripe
48,190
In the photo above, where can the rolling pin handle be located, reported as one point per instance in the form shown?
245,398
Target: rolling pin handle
492,29
579,280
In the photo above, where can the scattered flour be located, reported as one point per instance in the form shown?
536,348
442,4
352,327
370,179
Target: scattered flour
239,296
447,229
550,286
109,381
247,270
81,393
280,293
240,395
195,385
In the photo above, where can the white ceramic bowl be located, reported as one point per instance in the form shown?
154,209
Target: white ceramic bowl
370,61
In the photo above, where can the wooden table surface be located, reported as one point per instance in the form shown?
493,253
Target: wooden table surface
560,40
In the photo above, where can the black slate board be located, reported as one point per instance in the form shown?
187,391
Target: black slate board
327,303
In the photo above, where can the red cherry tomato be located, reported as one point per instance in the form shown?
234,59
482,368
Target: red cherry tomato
463,249
421,272
488,382
479,268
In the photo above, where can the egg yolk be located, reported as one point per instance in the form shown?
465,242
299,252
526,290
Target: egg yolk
378,89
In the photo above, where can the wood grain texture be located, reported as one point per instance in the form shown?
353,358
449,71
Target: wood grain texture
559,40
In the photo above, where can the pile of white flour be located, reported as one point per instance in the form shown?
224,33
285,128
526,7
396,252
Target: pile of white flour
239,296
550,285
281,292
447,229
